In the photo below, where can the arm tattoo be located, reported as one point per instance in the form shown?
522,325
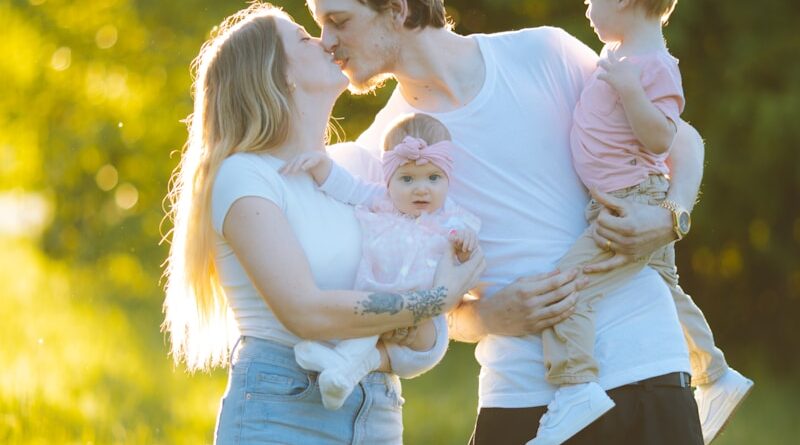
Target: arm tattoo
421,304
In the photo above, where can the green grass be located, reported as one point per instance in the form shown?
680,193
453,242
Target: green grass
80,366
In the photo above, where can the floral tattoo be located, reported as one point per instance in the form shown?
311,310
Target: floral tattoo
421,304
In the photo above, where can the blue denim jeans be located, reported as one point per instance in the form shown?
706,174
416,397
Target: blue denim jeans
270,399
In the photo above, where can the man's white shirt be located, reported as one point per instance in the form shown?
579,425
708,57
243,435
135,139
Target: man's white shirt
514,171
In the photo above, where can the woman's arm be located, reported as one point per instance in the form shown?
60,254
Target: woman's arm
267,248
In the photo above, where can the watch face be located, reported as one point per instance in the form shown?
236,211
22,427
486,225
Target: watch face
684,222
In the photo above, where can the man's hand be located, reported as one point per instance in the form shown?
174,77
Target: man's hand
530,304
632,230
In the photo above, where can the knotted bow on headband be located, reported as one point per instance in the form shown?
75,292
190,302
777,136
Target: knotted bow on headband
416,150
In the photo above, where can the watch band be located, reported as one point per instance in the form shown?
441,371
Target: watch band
677,211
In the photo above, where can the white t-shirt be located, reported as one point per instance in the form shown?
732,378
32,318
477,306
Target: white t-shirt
514,171
326,229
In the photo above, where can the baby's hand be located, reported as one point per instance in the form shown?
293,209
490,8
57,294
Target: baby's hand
622,74
317,163
464,242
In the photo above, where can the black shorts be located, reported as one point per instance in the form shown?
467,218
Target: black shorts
657,411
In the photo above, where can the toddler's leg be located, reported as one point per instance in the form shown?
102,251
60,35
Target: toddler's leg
720,389
569,346
708,361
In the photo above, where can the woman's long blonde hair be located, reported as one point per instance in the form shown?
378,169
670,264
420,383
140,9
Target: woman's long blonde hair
242,103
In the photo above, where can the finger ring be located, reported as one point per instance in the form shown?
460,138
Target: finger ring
401,332
608,244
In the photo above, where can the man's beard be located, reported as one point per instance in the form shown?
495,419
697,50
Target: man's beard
368,86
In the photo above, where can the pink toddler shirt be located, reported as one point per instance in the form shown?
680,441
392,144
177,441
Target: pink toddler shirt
605,151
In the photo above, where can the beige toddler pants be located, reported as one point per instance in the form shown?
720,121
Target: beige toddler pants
569,346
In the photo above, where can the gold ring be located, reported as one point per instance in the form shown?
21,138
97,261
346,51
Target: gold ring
608,244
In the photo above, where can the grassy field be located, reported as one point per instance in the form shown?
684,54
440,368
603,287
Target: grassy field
79,367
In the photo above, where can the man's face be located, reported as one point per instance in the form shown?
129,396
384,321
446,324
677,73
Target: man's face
364,42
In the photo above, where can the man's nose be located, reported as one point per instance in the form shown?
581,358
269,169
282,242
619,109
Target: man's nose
328,39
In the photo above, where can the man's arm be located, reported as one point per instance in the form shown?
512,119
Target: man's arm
637,230
526,306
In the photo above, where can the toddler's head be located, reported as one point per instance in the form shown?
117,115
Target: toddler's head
609,18
417,163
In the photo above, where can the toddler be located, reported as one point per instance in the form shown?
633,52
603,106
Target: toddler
623,127
407,224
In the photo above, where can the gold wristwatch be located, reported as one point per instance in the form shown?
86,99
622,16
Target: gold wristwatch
681,219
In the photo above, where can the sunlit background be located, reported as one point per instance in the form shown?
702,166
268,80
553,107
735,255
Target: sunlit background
91,98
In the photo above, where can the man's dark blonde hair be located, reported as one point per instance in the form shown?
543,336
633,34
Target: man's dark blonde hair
421,13
657,8
417,125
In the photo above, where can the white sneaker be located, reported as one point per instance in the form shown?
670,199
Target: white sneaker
570,412
716,402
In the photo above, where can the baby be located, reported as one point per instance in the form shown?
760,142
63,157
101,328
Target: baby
407,224
624,125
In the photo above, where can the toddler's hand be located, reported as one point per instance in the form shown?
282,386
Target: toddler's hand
464,242
622,74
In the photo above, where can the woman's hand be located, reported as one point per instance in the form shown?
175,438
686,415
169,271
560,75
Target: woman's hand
631,230
457,277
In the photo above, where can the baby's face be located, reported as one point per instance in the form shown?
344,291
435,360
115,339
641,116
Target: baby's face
418,188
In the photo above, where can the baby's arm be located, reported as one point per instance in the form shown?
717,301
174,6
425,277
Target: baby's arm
464,240
334,180
316,163
650,125
425,351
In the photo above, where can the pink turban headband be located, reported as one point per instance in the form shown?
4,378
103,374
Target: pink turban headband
416,150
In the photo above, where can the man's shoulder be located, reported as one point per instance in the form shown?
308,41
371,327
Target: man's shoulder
543,36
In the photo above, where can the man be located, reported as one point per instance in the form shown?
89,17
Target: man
507,99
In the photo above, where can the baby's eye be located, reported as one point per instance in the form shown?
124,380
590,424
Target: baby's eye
406,178
435,177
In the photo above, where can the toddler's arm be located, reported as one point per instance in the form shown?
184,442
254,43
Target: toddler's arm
651,126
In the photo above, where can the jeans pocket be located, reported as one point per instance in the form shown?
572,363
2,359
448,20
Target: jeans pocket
268,381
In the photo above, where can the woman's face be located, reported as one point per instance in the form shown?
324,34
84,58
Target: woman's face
418,188
310,68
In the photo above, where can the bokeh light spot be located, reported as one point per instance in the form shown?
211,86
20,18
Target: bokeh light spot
126,196
61,59
106,177
106,37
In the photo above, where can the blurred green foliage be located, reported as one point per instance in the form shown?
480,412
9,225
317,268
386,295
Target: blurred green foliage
93,94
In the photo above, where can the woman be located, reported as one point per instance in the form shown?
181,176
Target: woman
273,251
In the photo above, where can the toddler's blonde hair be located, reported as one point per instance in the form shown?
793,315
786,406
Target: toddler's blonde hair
418,125
657,8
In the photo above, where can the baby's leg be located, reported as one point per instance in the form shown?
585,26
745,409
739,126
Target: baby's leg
340,368
708,361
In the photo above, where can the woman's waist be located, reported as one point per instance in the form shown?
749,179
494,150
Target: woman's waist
255,349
